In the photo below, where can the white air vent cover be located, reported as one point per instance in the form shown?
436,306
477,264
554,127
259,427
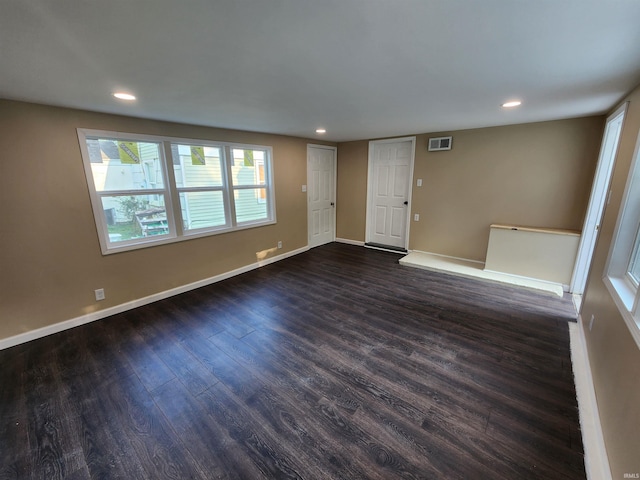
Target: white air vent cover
440,143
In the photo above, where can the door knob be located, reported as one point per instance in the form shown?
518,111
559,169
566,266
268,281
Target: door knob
332,204
406,202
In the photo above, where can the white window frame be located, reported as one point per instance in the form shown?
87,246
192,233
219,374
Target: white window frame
261,162
623,289
172,192
229,225
267,180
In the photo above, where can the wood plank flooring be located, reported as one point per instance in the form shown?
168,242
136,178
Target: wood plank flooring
335,363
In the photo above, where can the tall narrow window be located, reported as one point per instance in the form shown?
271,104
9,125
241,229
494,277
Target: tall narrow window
249,185
200,182
622,276
633,269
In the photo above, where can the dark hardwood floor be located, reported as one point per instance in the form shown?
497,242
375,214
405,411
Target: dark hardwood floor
335,363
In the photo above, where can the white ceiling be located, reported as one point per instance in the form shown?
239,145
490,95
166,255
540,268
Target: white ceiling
359,68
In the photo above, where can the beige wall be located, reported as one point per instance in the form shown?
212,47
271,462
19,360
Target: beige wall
536,174
351,193
614,356
50,260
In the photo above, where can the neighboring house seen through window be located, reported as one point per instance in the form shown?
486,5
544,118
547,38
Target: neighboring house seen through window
139,200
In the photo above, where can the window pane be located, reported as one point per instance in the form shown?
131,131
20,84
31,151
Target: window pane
634,264
202,209
134,216
251,204
197,166
248,167
124,165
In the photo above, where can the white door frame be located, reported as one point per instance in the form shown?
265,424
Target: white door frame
335,176
369,220
597,200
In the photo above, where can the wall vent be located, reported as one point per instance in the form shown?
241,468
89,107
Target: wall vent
440,143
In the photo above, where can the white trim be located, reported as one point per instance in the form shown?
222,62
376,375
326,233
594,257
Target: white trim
474,269
449,256
596,460
597,199
350,242
383,249
620,295
409,191
577,301
327,147
123,307
565,287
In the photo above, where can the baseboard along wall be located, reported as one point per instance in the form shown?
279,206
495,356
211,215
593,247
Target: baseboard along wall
350,242
93,316
596,460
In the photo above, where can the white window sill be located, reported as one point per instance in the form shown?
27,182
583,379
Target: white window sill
621,289
623,296
173,238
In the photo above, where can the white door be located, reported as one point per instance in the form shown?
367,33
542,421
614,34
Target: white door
321,196
599,193
389,192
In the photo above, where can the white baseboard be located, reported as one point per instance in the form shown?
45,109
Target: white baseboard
383,249
350,242
596,460
565,287
448,256
91,317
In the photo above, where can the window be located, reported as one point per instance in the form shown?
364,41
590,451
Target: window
633,269
249,187
200,183
148,190
622,276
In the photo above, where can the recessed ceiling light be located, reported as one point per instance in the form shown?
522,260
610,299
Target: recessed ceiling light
513,103
321,130
124,96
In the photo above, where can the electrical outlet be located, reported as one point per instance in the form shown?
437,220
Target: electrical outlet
99,294
280,244
416,217
593,318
